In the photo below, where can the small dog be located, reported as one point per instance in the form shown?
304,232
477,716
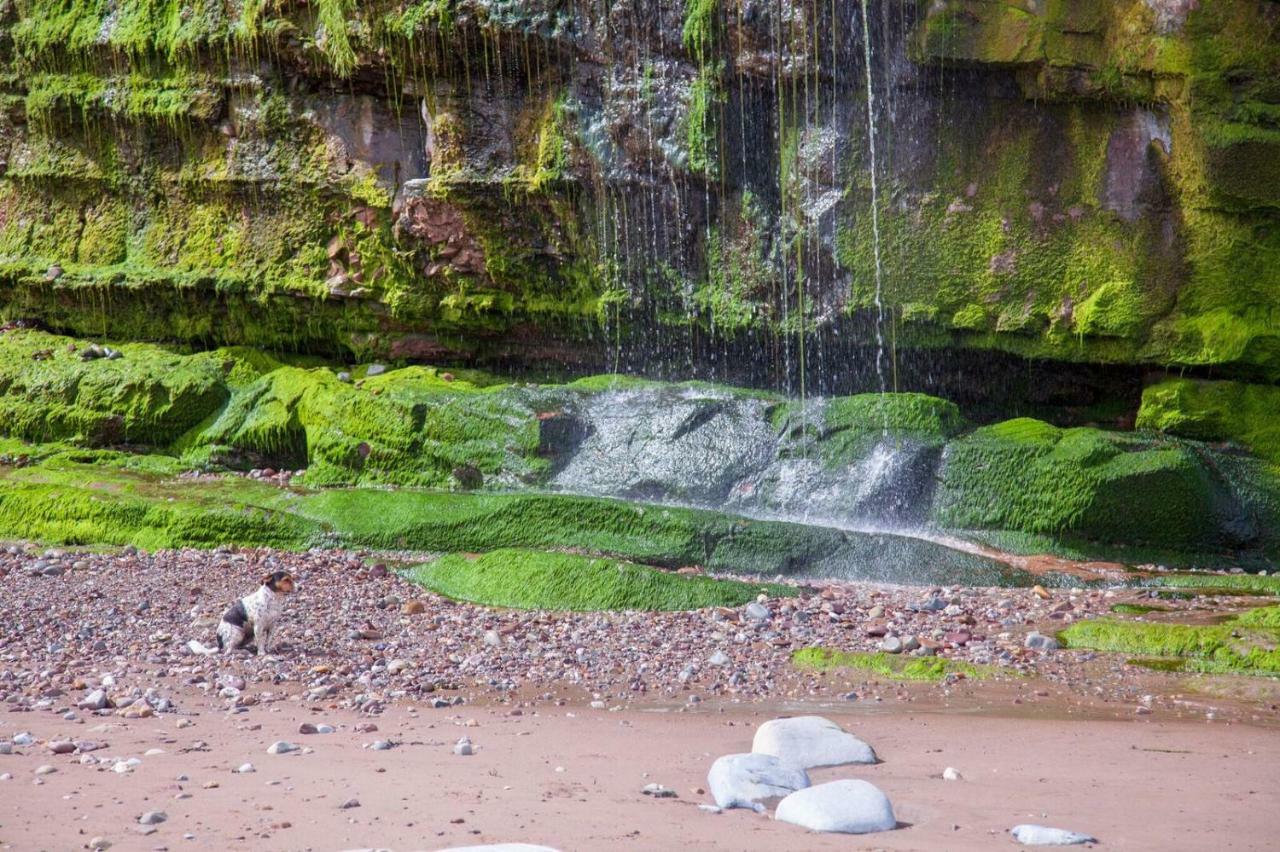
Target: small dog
254,616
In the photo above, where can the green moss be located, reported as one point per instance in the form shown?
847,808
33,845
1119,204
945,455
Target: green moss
845,429
1136,609
1226,648
1259,584
530,579
890,666
702,121
1215,411
700,28
1027,477
147,396
1113,310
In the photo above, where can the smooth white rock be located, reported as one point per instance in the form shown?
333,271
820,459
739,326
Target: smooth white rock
847,806
951,774
746,780
500,847
1041,835
809,741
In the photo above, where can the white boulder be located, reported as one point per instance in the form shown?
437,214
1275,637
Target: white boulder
746,780
847,806
809,741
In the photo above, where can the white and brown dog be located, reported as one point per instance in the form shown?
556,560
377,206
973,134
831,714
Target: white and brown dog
254,616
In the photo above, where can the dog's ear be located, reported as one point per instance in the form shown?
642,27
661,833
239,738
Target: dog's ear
269,581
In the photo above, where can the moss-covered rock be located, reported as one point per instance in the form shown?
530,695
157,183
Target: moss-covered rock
532,579
1025,475
1215,411
57,389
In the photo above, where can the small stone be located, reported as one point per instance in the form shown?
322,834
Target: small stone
375,370
349,804
413,608
1037,641
96,700
658,791
281,747
62,747
153,818
463,747
492,639
99,843
757,612
308,728
747,780
381,745
45,769
245,769
719,658
891,645
23,739
1039,835
950,774
876,611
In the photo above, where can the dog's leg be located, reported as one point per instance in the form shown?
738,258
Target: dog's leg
230,637
264,641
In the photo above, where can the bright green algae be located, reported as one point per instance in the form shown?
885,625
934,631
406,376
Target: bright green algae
531,579
889,666
1247,644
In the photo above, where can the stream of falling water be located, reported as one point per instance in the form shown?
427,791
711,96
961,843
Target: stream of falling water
875,202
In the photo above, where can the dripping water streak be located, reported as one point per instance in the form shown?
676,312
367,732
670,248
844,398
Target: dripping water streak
875,204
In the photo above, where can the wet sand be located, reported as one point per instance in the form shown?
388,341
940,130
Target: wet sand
571,777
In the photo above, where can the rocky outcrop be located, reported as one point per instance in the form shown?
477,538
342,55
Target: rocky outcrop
1081,181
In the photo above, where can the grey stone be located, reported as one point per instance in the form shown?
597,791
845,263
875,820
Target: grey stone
375,370
501,847
464,747
153,818
747,780
658,791
891,645
1037,641
847,806
1040,835
719,658
808,741
757,611
281,747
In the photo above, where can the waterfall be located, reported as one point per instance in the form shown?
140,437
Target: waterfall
875,200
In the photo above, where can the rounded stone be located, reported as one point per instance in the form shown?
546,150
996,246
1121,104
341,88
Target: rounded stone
847,806
747,780
809,741
1040,835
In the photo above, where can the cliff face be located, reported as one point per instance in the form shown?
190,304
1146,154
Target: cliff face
1076,180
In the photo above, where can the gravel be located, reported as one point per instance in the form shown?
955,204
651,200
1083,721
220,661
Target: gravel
110,637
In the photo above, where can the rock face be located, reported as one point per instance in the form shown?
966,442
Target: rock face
747,780
809,741
847,806
1087,181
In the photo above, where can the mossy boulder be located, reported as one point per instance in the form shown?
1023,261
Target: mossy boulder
1025,475
1246,644
1248,414
50,391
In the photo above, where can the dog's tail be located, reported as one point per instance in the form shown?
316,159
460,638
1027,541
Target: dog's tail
197,648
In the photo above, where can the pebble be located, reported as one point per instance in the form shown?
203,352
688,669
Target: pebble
463,747
99,843
245,769
950,774
281,747
153,818
1037,641
891,645
23,739
658,791
349,804
757,611
45,769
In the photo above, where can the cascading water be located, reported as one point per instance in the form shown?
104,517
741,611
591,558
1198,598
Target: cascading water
868,56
